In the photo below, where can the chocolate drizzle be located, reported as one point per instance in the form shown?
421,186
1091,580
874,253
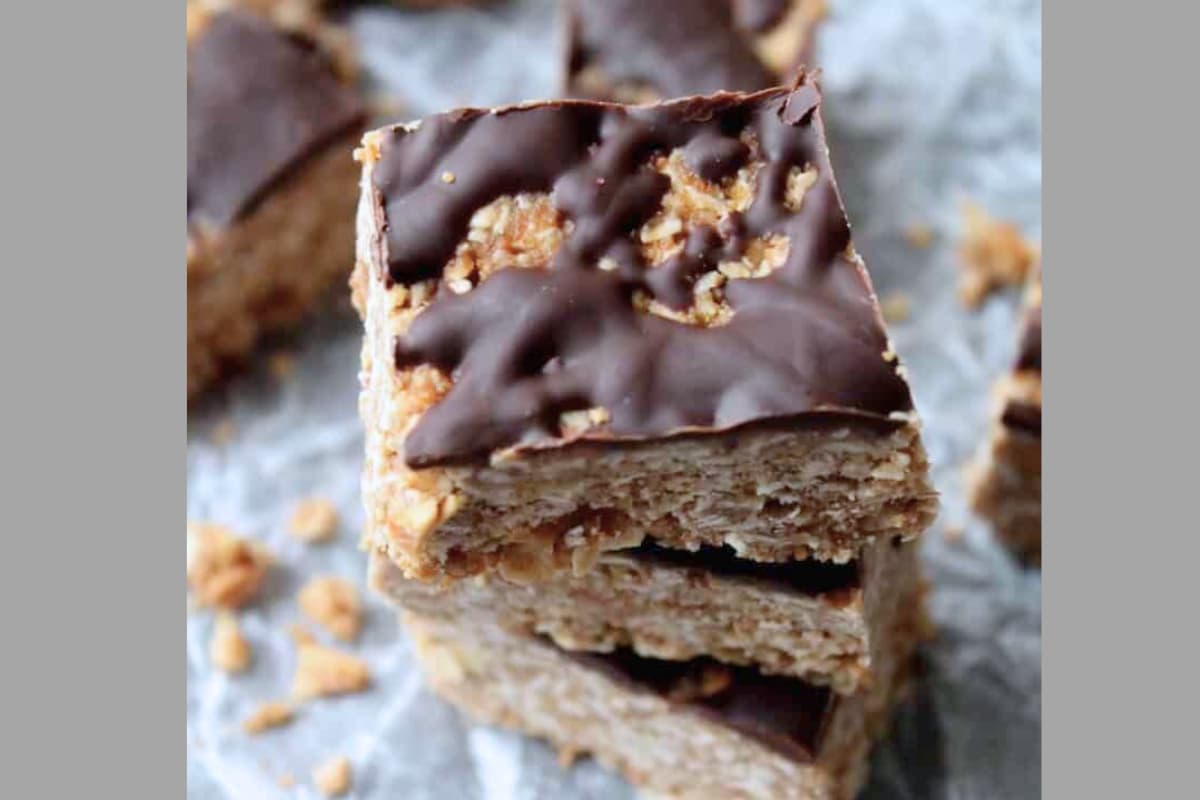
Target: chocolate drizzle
679,48
259,101
786,714
526,346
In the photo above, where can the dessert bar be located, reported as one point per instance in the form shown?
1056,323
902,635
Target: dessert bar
589,324
271,185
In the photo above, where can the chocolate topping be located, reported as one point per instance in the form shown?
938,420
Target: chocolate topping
786,714
807,576
259,101
526,346
679,48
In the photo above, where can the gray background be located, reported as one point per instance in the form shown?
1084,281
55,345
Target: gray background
928,103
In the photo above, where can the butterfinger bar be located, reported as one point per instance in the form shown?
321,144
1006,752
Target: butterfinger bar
587,324
814,620
271,125
639,51
695,729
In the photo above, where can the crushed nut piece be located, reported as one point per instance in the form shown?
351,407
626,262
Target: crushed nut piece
919,235
267,716
314,520
228,649
895,307
993,254
223,570
333,777
322,671
333,604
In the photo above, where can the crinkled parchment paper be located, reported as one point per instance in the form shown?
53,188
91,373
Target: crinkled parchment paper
929,102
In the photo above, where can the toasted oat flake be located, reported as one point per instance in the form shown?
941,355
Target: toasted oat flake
268,716
333,603
228,649
223,570
322,671
333,778
314,520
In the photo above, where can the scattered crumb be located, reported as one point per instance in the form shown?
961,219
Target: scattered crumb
281,365
993,254
286,781
314,520
918,235
267,716
567,756
953,534
322,671
223,432
300,635
223,570
333,777
447,177
712,680
228,649
896,307
333,604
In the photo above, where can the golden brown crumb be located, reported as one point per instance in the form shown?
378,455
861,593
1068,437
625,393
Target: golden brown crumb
993,254
286,781
314,520
895,307
300,635
712,680
281,364
953,534
267,716
333,604
567,756
919,235
223,432
322,671
223,570
447,177
228,649
333,777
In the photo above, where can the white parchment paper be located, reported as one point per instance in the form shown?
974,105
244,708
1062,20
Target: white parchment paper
929,102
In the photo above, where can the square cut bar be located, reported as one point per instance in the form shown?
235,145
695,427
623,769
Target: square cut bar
588,324
693,729
271,184
1007,487
638,51
814,620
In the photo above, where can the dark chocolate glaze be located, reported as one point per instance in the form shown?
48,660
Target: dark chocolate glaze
678,47
258,102
807,576
525,346
786,714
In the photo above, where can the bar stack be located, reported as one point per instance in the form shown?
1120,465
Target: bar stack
642,469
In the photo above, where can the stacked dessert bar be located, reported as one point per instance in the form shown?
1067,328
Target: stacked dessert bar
1007,486
642,469
271,116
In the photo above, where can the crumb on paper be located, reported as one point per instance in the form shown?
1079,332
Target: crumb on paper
281,365
333,778
322,671
286,781
567,755
992,255
268,716
896,307
333,604
918,235
228,649
223,570
314,520
223,432
300,635
448,177
953,534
